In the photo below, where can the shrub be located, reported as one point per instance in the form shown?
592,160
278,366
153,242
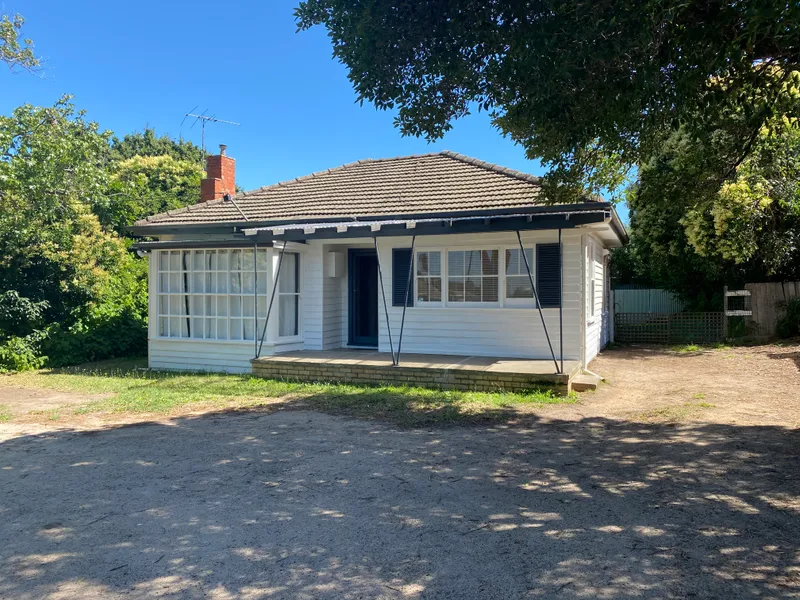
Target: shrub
789,322
114,327
19,316
22,353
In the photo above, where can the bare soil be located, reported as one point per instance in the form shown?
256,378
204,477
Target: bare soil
628,494
21,401
757,385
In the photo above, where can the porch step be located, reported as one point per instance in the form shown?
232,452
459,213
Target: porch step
583,382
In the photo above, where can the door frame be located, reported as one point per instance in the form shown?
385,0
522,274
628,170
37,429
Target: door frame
352,255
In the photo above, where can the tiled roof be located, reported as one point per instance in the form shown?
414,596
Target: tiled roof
419,184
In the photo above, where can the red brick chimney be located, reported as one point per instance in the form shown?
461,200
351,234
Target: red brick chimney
220,176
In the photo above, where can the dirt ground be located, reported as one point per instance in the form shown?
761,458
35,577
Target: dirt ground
641,490
757,385
22,401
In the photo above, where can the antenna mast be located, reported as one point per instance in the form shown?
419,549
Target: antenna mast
203,118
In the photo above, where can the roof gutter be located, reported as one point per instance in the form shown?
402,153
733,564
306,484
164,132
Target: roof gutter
236,226
189,244
430,226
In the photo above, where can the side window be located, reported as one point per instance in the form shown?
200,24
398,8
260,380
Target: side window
517,283
429,276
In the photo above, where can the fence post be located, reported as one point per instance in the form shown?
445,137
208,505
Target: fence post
724,313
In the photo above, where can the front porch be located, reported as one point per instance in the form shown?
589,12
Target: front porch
479,373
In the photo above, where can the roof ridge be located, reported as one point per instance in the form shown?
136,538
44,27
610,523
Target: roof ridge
492,167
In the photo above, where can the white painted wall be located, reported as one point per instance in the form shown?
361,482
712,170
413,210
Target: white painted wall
454,330
334,302
491,331
311,297
201,355
594,271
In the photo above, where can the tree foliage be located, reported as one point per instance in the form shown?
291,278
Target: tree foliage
148,174
146,185
697,223
148,143
52,248
15,51
58,266
587,87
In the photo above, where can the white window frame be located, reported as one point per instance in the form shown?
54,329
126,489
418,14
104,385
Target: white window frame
520,302
279,294
206,275
503,300
500,278
442,276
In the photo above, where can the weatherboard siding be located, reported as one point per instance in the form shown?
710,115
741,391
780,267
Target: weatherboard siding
200,355
488,331
594,271
454,330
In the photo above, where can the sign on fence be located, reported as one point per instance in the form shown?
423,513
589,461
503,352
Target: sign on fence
669,328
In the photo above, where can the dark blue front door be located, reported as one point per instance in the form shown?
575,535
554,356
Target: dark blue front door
362,276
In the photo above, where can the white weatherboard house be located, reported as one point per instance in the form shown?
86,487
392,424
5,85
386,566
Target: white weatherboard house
378,263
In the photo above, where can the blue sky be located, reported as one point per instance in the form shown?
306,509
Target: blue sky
148,63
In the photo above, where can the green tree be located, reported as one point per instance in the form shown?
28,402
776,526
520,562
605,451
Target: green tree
589,88
16,51
147,143
698,224
67,286
146,185
52,248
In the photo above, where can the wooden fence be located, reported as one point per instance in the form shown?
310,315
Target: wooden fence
766,301
669,328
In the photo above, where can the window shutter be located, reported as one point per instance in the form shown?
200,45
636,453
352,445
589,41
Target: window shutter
400,263
548,275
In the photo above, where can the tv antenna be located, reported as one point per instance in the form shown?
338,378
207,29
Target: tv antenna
203,118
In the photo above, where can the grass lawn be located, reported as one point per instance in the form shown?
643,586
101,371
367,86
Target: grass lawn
128,387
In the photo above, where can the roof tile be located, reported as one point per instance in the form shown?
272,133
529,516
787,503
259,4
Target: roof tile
417,184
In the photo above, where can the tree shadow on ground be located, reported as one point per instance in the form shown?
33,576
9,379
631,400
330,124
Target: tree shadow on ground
793,356
299,504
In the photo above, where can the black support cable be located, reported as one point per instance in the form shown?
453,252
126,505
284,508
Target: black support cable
536,296
561,300
409,283
383,295
271,299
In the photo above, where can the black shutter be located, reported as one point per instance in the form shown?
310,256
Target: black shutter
400,263
548,275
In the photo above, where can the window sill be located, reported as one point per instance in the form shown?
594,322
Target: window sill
279,342
517,307
158,338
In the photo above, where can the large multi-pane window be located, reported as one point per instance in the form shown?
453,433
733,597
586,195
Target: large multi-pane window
213,294
491,277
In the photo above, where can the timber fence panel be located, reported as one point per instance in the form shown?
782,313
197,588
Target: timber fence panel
767,299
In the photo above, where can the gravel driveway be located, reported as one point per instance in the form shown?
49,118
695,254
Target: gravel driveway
304,505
